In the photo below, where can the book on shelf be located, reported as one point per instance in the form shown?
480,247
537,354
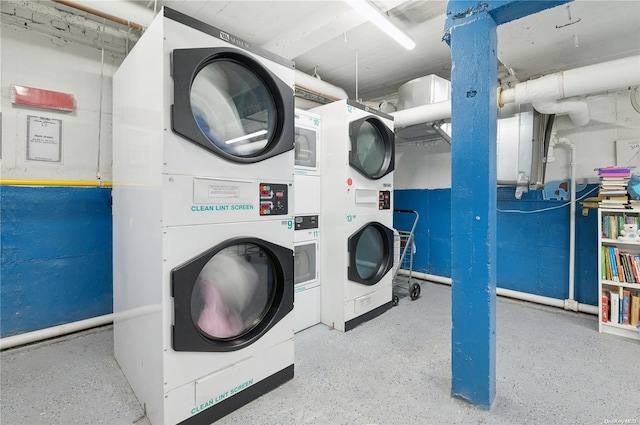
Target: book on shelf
605,308
616,253
634,268
614,306
613,264
635,310
628,274
626,304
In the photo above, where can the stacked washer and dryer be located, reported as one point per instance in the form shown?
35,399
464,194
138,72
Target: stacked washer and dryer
357,250
307,186
202,221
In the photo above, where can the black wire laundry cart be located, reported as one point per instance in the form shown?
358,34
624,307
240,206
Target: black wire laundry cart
404,248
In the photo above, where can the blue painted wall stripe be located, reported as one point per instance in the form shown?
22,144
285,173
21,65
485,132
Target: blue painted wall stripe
56,256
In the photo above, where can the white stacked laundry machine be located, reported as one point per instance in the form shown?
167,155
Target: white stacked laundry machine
202,221
307,184
358,152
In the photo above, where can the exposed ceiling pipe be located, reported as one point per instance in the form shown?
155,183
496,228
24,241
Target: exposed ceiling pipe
422,114
578,111
103,9
544,92
316,86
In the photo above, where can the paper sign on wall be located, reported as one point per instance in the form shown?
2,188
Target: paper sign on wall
44,139
628,154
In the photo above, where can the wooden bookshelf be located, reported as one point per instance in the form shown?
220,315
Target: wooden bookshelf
618,273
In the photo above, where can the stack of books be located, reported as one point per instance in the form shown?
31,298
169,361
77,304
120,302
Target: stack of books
612,192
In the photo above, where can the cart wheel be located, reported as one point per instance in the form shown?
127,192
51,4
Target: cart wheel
415,291
395,300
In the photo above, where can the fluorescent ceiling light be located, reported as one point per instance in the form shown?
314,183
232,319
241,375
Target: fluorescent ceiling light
379,20
246,136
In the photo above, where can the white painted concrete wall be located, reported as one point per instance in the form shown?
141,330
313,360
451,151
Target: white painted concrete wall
612,119
36,60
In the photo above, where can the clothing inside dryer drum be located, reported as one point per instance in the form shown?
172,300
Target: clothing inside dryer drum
233,291
370,148
369,253
233,108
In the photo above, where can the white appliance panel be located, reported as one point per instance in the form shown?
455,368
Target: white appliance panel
308,141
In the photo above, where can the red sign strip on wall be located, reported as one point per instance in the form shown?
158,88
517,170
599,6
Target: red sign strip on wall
39,98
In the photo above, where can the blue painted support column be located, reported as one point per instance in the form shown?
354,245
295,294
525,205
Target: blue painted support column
473,210
470,31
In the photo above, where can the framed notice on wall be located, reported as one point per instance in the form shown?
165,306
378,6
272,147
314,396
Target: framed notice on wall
44,139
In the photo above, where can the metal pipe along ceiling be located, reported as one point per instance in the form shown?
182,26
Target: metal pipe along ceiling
544,92
612,75
142,12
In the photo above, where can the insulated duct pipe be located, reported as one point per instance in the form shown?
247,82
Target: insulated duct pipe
578,111
316,86
596,78
543,92
422,114
523,296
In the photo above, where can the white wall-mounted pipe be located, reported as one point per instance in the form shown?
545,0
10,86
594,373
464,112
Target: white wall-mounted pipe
315,85
597,78
422,114
55,331
570,303
578,111
523,296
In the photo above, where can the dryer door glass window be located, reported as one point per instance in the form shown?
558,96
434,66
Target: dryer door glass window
233,108
305,148
304,263
370,148
369,253
233,291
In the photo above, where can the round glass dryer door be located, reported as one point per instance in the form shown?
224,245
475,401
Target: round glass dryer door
233,108
233,291
230,104
372,147
229,296
370,253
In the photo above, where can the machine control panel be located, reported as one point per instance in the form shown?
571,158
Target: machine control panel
306,222
384,200
274,199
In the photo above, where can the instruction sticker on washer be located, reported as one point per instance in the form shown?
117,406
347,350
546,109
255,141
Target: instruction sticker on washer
206,191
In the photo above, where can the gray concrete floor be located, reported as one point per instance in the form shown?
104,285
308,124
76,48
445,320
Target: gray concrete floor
552,367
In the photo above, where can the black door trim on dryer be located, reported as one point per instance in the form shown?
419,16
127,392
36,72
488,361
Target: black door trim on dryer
186,63
186,336
388,138
387,255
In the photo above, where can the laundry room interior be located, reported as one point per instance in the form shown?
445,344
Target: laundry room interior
357,212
